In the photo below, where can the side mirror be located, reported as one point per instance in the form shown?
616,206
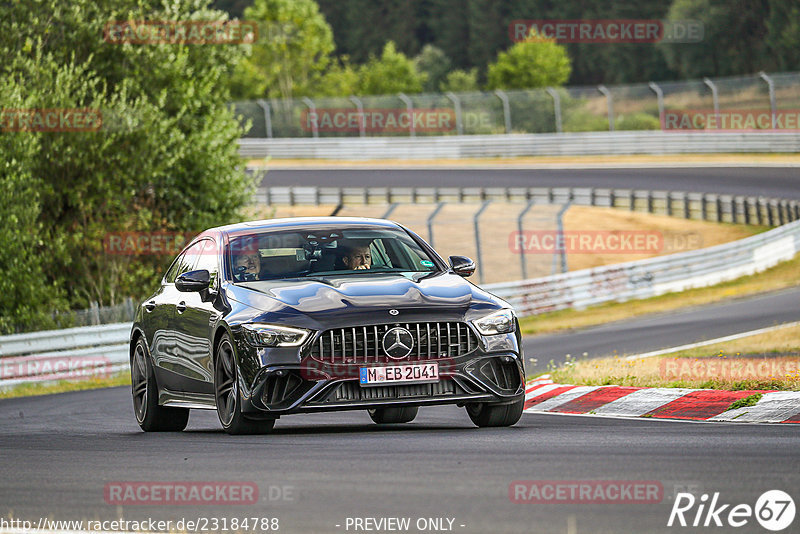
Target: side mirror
193,281
462,265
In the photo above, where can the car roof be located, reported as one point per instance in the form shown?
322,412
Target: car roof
302,222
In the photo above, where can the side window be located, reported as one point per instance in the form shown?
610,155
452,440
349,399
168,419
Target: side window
172,273
208,259
185,263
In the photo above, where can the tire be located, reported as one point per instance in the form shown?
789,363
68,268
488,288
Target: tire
401,414
226,394
487,415
150,416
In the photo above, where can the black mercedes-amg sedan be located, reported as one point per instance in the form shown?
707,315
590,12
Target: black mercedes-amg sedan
262,319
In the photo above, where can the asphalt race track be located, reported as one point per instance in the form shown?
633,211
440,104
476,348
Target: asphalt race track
58,452
779,182
664,330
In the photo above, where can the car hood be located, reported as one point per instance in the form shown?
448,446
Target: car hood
365,299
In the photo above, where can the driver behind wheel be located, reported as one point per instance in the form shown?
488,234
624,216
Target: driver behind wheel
356,256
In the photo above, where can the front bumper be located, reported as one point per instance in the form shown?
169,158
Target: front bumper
282,389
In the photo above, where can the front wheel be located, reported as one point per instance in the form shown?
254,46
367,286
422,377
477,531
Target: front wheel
401,414
226,393
150,416
483,414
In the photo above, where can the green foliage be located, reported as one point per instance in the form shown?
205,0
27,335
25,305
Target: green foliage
637,121
535,62
293,50
434,64
390,73
750,400
733,42
460,81
165,159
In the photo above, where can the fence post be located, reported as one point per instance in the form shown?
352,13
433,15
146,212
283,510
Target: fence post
361,120
686,208
714,96
313,110
439,206
478,238
562,253
660,96
457,106
556,107
506,108
521,216
267,116
389,211
410,109
773,104
603,89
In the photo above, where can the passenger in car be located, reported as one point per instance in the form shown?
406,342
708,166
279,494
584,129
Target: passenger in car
247,266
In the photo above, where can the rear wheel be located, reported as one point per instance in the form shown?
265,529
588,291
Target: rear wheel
483,414
400,414
226,392
150,416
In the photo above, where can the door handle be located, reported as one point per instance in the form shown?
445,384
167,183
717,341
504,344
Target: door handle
181,307
150,305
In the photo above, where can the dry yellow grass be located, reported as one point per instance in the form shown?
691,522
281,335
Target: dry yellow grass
453,232
676,234
765,361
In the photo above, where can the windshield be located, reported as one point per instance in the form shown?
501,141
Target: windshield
270,255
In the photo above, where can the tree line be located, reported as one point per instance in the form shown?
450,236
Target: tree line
462,39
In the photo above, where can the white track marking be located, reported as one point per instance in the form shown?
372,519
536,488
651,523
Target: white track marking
712,341
773,407
642,401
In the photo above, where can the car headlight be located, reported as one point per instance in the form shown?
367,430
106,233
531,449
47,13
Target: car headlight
499,322
270,335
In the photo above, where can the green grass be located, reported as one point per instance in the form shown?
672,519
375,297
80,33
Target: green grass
122,378
751,400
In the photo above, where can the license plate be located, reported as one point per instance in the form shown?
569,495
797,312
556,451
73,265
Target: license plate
394,374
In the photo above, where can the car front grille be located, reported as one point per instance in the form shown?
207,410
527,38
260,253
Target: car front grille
362,344
351,391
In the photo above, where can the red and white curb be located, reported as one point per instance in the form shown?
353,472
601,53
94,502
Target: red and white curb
542,395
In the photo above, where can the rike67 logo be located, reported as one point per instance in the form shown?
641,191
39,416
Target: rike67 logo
774,510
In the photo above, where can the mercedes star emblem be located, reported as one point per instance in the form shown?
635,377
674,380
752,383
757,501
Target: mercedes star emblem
397,343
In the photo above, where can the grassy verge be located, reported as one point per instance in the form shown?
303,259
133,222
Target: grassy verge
769,361
122,378
784,275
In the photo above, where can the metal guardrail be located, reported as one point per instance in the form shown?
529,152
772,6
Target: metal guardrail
653,276
78,352
70,353
520,145
700,206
